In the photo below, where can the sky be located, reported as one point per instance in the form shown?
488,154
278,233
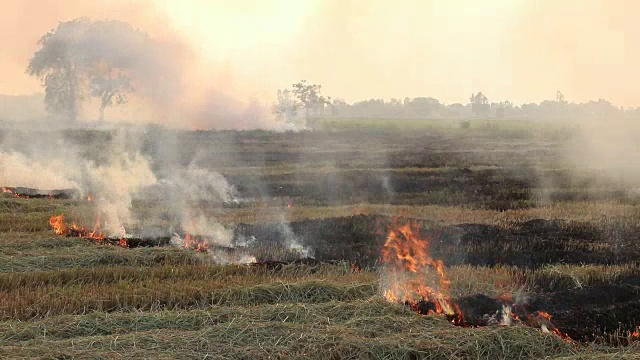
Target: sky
517,50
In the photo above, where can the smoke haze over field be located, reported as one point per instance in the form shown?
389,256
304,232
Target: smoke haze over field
517,50
230,58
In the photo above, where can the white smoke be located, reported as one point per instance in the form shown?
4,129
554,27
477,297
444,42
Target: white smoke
189,195
16,169
114,185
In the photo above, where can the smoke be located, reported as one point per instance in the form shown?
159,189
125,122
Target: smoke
16,169
114,186
191,192
607,151
133,190
176,85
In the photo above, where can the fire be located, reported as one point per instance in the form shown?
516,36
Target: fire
58,224
196,243
543,319
410,260
6,190
89,197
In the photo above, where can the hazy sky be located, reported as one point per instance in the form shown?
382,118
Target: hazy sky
521,50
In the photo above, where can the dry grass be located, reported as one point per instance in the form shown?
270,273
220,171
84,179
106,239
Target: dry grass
69,298
361,329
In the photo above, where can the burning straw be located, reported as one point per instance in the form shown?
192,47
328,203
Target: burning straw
411,276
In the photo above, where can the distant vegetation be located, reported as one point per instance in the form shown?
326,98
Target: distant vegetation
307,97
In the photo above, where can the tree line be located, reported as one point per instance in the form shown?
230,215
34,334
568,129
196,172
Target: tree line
296,108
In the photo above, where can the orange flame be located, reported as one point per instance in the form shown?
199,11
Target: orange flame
195,243
543,320
58,224
7,190
410,257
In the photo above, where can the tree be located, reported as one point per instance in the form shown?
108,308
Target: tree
83,58
58,64
480,104
111,90
309,97
302,95
423,107
287,105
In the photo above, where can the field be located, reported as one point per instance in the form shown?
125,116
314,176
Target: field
500,204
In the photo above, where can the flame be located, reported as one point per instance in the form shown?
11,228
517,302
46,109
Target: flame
408,260
543,319
196,243
6,190
409,257
58,224
89,197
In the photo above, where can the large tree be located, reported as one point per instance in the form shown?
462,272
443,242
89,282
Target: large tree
82,58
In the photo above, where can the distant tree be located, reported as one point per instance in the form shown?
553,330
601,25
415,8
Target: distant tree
60,66
287,106
309,96
83,58
480,104
301,96
424,106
